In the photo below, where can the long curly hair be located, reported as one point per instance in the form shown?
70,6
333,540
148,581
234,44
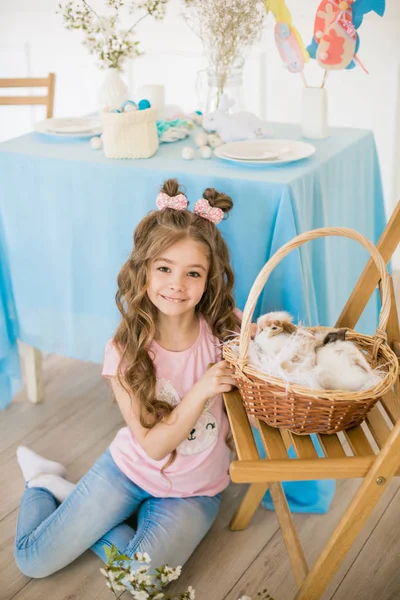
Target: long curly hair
156,232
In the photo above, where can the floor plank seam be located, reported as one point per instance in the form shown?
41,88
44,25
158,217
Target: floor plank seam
70,414
364,544
20,589
254,560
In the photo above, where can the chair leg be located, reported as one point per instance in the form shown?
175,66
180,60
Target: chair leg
248,506
354,519
289,533
32,359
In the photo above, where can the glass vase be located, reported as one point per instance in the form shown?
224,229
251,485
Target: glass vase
212,84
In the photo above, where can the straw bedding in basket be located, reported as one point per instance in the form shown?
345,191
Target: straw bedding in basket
300,409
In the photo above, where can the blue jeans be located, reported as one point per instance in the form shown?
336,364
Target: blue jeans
50,536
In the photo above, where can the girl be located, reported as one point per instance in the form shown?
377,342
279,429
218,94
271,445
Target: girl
170,463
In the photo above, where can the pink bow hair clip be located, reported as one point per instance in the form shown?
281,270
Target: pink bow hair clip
211,213
178,202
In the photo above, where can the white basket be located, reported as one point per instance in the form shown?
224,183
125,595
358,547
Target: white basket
130,134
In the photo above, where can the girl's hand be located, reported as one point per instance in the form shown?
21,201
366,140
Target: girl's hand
253,330
216,380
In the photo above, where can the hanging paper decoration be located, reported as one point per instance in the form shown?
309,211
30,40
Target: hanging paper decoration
288,40
335,43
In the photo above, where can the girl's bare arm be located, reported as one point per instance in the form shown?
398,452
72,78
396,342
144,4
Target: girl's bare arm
159,441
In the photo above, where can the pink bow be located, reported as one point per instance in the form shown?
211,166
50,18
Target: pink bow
178,202
349,27
212,213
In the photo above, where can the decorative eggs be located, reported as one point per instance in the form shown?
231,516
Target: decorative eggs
200,139
205,152
96,143
188,153
129,106
143,104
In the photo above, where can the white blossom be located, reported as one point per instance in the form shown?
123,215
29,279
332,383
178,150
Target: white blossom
146,558
102,33
192,593
138,556
140,595
143,578
140,582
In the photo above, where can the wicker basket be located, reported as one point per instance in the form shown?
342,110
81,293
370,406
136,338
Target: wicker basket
131,134
300,409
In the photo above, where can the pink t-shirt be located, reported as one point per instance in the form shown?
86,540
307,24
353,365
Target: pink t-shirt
202,462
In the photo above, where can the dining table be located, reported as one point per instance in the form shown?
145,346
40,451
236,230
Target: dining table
67,216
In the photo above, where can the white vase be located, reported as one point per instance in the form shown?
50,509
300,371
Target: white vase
113,91
314,113
155,94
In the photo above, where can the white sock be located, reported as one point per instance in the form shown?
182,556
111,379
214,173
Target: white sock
33,464
58,486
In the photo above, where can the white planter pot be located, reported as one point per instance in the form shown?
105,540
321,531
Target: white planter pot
130,134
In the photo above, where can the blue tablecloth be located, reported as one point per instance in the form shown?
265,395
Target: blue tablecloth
67,216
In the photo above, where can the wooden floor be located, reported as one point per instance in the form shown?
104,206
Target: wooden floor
76,423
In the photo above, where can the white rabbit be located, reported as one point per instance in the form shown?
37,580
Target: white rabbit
283,350
234,127
340,365
273,332
317,360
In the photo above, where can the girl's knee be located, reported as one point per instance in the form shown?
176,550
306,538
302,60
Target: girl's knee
31,567
205,509
33,570
169,530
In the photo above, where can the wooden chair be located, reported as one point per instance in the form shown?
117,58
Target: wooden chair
31,82
375,448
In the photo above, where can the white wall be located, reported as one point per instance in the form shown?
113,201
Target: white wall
33,42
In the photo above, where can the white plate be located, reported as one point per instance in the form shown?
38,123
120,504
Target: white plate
275,152
70,127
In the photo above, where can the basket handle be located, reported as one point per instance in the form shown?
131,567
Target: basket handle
265,272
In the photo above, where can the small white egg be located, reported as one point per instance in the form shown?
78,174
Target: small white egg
188,153
96,143
214,140
129,106
205,152
200,139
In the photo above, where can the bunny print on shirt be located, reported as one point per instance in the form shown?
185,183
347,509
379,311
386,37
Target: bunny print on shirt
203,435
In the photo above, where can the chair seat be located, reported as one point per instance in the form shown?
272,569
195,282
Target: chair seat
347,454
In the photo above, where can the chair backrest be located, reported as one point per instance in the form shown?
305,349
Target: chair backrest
30,82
